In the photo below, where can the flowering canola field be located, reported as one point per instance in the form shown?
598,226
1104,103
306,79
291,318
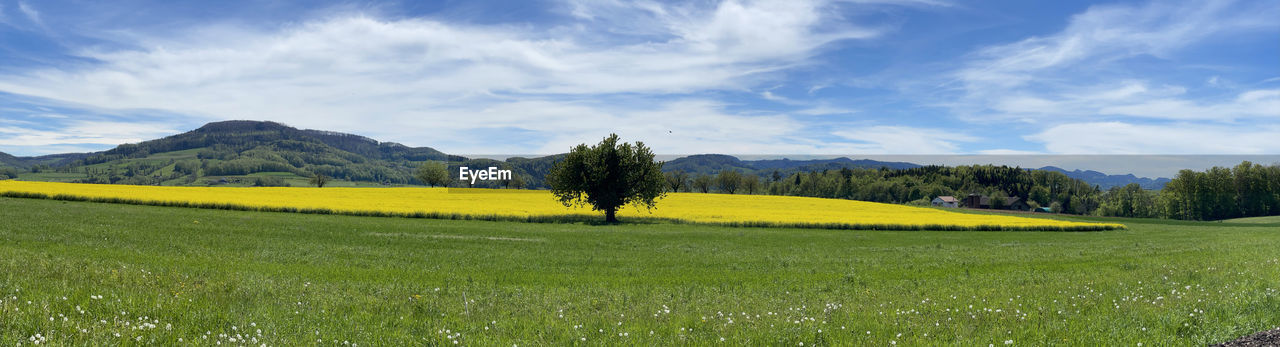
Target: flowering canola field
535,205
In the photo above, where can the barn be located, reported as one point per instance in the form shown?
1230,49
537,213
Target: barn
983,201
946,201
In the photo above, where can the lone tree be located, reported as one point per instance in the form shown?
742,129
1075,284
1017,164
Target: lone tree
608,176
319,180
433,173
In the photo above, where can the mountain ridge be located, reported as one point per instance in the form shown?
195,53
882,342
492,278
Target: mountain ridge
710,164
1106,181
246,148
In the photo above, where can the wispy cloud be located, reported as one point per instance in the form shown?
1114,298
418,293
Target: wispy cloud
360,72
799,76
905,140
1138,99
1075,72
1180,138
32,14
1109,33
83,132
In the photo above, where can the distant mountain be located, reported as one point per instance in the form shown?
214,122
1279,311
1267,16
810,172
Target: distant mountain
837,163
710,164
707,164
245,152
535,169
1106,181
245,135
253,152
7,160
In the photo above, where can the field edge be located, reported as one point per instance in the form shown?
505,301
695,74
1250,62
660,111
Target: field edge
564,218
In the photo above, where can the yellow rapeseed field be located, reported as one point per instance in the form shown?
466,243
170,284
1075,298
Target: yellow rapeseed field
761,210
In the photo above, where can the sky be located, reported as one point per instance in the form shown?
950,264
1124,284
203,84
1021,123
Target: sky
813,77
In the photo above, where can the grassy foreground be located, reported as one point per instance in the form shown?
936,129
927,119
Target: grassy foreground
1273,220
92,273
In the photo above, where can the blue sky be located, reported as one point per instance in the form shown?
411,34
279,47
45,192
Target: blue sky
853,77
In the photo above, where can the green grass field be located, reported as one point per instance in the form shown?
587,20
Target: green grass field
1274,220
92,273
51,176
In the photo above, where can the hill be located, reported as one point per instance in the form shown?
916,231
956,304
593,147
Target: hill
1106,181
268,153
707,164
837,163
241,136
710,164
10,161
253,153
10,166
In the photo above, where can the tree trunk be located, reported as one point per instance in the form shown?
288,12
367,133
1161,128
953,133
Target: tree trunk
611,215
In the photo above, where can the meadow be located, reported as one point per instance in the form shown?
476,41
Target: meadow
540,205
1272,220
93,273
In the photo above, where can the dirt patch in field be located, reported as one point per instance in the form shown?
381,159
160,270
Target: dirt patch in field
1265,338
459,237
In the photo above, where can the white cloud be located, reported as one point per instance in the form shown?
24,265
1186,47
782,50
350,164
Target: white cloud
686,126
904,140
1137,99
419,76
1106,33
1003,151
32,14
1181,138
1254,103
768,95
1214,81
82,132
917,3
825,110
1082,71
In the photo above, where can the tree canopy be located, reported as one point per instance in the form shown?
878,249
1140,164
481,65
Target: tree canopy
433,173
608,176
319,180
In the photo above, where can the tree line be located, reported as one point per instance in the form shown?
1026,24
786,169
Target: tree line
1246,190
914,186
1218,193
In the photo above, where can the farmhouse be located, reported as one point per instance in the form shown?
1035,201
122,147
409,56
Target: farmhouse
946,201
976,201
982,201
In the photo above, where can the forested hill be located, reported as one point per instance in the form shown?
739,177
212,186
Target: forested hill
10,161
268,153
254,153
241,136
15,162
710,164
